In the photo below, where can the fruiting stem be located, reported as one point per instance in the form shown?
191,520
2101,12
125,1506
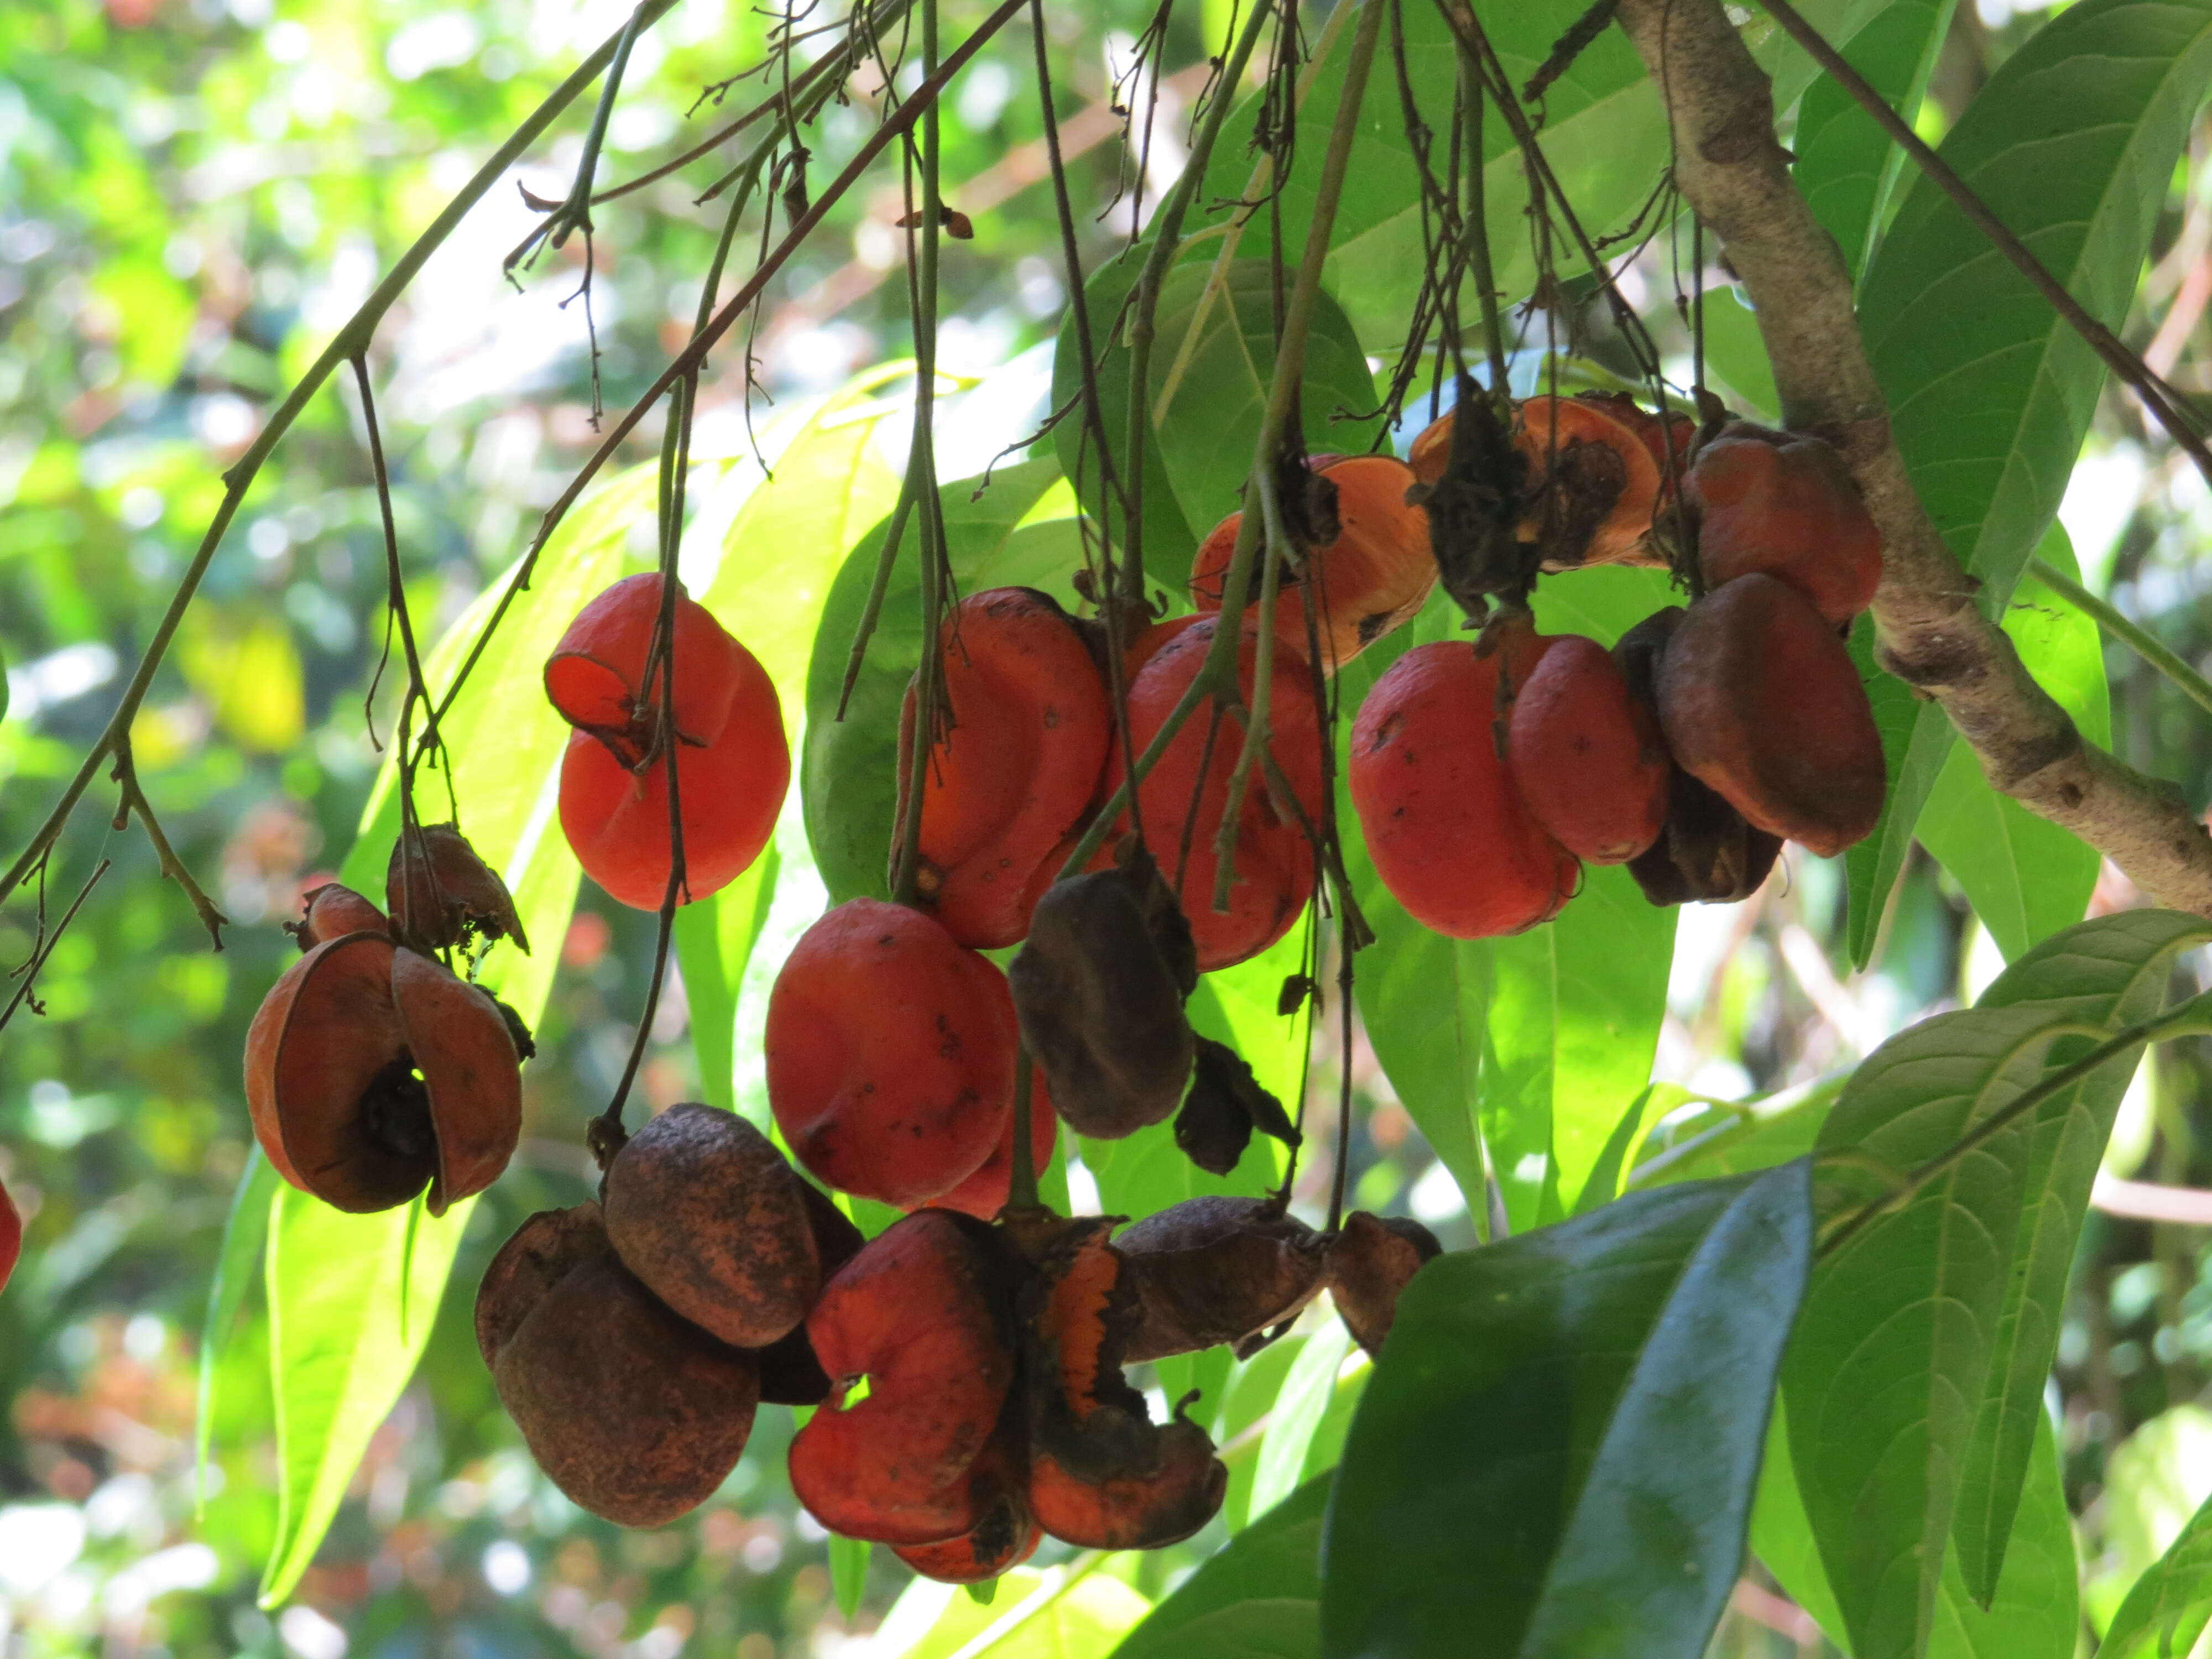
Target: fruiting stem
2128,632
1167,240
2191,1018
349,340
1022,1183
1476,231
922,473
1282,399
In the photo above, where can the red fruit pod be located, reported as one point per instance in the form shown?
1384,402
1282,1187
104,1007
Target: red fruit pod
1587,756
616,820
790,1374
442,894
1762,703
332,912
1784,506
11,1237
919,1313
984,1194
1103,1474
890,1054
1017,766
371,1072
1376,574
602,678
1182,799
1443,819
1005,1537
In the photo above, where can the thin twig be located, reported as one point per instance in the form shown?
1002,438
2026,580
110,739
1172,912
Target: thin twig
28,973
133,799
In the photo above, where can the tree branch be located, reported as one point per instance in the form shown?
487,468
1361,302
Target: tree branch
1932,633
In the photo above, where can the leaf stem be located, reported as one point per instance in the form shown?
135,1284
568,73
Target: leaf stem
2128,631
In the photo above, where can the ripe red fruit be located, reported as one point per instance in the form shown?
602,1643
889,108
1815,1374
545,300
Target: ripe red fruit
1376,574
1005,1537
1762,703
332,912
1017,767
920,1315
1586,756
371,1071
11,1237
1183,799
1785,504
984,1194
890,1053
1443,820
731,762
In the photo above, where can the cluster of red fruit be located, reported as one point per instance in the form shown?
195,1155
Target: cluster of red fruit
967,1377
1484,776
373,1071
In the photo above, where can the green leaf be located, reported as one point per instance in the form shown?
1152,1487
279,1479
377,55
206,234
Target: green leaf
1916,1376
1558,1450
1603,135
1846,165
2111,972
351,1301
1258,1597
1015,533
1734,1137
352,1297
2036,1612
2072,144
1295,1416
714,940
2168,1607
245,1230
848,1571
1061,1613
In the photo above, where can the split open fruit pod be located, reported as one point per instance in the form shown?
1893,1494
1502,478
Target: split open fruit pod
373,1072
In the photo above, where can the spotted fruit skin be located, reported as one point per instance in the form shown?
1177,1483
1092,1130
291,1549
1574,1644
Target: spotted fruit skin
1443,820
1187,793
1785,505
920,1315
890,1054
1587,757
733,763
1017,766
984,1194
1377,574
1762,703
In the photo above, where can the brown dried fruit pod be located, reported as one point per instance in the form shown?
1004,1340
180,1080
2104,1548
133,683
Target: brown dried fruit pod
1371,1260
332,911
371,1071
921,1314
1216,1269
1103,1474
1005,1537
705,1211
790,1374
442,894
1705,853
1761,702
1225,1103
1099,990
637,1414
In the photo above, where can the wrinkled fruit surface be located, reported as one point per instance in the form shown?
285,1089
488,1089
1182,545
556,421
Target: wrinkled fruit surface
1586,756
1103,1474
635,1413
1006,1534
1375,575
1016,766
1099,989
442,894
921,1314
1186,794
1216,1269
890,1054
1445,823
1225,1103
371,1071
703,1209
1762,703
1371,1260
731,762
1787,506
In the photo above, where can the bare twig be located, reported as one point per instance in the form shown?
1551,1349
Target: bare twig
133,799
1932,633
50,937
